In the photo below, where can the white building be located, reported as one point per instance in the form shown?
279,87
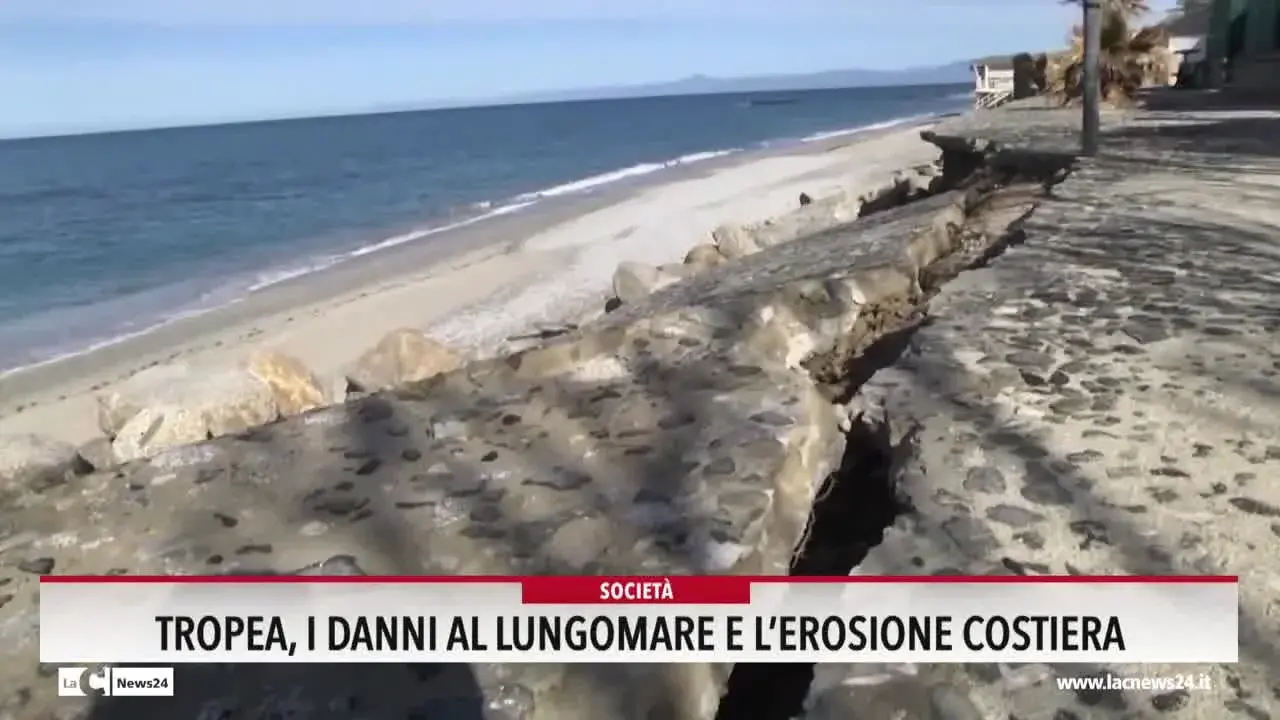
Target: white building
993,83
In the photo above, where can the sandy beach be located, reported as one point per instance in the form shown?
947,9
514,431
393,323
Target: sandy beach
474,286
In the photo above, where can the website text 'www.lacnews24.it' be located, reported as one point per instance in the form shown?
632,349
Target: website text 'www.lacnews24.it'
1188,682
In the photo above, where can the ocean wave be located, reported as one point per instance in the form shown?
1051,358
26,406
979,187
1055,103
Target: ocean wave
520,202
701,157
395,240
229,293
592,182
48,353
52,356
859,129
275,277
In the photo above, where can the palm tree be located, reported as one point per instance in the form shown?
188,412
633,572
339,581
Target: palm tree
1126,60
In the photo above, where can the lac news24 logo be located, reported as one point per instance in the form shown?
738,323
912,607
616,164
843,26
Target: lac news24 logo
117,682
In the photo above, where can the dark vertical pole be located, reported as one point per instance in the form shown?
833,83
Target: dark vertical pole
1092,84
1215,44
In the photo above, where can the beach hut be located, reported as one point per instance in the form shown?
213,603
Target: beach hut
993,82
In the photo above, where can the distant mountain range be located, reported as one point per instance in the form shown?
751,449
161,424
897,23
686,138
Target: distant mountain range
958,72
951,73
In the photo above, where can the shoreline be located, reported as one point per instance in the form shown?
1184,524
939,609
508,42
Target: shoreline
255,281
471,286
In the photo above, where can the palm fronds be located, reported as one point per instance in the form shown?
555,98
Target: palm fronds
1127,61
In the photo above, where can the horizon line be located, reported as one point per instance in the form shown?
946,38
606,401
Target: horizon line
523,99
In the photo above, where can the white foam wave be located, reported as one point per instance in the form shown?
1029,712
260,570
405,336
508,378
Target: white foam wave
519,203
702,156
427,232
276,277
594,181
81,351
885,125
236,292
53,356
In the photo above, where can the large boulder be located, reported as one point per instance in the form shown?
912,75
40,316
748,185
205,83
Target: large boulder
156,429
128,397
702,257
402,356
633,281
734,241
170,405
902,188
812,216
97,453
815,216
185,404
295,388
35,461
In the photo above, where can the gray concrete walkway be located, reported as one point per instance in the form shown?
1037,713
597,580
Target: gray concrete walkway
1103,399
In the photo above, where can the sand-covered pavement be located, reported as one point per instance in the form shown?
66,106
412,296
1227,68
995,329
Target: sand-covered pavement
472,287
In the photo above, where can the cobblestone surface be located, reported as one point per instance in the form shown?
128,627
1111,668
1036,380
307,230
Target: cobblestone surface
1102,399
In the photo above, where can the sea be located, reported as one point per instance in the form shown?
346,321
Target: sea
106,236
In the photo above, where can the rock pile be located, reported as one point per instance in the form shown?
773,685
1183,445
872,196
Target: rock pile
634,281
402,356
36,462
169,406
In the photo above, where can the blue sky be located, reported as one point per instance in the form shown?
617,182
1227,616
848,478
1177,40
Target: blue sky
75,65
